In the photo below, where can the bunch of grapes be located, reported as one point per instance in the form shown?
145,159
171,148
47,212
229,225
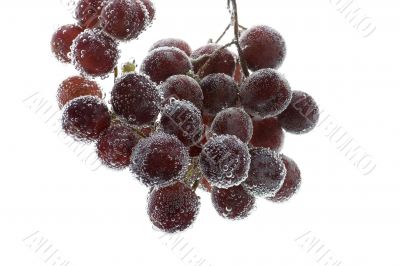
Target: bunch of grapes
206,118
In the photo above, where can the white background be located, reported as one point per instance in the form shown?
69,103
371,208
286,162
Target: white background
98,217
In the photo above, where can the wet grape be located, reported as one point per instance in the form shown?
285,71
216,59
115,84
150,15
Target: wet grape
94,54
267,133
159,159
233,121
76,86
292,181
266,93
182,87
173,208
263,47
220,91
266,174
151,10
115,145
136,98
225,161
85,118
232,203
164,62
124,20
87,12
302,114
182,119
62,40
222,62
173,42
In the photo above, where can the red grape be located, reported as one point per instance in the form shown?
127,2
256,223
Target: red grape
151,10
85,118
263,47
87,12
94,53
183,87
164,62
75,87
225,161
232,203
222,62
173,208
159,159
136,98
173,42
266,93
267,133
182,119
292,181
61,41
233,121
116,144
302,114
220,91
267,173
124,19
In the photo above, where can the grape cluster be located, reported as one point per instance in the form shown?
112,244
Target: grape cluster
206,118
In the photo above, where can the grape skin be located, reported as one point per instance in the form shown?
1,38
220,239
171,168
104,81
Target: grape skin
266,93
225,161
87,12
85,118
173,42
302,114
173,208
267,133
164,62
182,87
233,121
233,203
220,91
222,62
159,160
135,98
182,119
62,40
263,47
267,173
76,86
292,181
94,53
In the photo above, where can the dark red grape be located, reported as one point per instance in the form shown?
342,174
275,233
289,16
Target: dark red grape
115,145
124,20
222,62
85,118
263,47
173,208
183,87
292,181
151,10
164,62
302,114
267,173
159,159
135,97
61,42
220,91
75,87
267,133
233,121
225,161
87,12
173,42
232,203
182,119
266,93
94,53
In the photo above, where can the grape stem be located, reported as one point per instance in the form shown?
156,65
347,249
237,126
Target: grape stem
235,21
223,34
